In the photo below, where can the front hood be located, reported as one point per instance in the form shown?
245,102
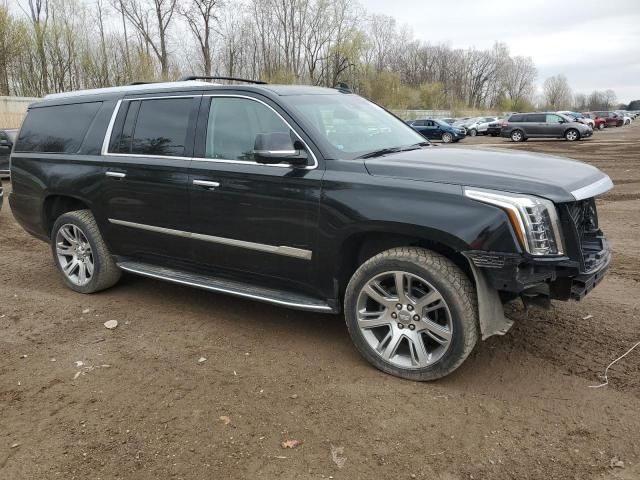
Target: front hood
556,178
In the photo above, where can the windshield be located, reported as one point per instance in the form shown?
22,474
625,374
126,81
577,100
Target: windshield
352,125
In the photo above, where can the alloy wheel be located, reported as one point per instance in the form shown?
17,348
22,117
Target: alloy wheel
571,135
404,319
516,136
74,254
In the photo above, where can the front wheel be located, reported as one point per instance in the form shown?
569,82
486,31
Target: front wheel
412,313
447,138
81,255
601,126
473,132
572,135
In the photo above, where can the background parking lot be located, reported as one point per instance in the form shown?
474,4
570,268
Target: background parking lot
197,385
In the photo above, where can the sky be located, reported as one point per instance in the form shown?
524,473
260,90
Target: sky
594,43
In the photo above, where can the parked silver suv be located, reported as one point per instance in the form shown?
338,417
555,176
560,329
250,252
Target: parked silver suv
522,126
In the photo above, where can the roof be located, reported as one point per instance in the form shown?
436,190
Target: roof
281,90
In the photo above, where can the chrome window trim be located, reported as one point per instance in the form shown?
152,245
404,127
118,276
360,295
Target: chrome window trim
596,188
261,247
107,138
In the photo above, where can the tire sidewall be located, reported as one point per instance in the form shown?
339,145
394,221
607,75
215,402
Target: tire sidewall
70,218
447,138
451,358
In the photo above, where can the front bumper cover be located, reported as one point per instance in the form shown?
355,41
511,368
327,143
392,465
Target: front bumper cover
559,278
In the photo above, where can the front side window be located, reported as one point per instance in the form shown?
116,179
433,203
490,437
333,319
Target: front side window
553,119
351,125
233,125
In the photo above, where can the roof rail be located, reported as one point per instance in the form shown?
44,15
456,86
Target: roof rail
207,77
140,82
343,88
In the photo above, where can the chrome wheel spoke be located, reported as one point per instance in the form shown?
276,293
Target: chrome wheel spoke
389,344
70,267
65,250
437,332
368,320
399,278
377,293
68,235
82,272
419,355
428,299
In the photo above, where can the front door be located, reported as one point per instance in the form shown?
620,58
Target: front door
144,196
258,221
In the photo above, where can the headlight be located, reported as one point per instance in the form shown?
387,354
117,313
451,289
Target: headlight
534,219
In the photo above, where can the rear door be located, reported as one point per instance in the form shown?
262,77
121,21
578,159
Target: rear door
535,125
144,195
254,220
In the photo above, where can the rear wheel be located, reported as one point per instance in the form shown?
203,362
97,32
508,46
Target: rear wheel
412,313
572,135
447,138
80,253
602,126
517,136
473,132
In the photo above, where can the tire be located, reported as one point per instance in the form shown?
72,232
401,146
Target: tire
572,135
517,136
424,348
602,126
77,247
473,132
447,138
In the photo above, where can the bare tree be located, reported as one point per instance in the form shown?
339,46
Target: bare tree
151,19
201,17
518,80
557,92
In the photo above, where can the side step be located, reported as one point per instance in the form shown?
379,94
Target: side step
239,289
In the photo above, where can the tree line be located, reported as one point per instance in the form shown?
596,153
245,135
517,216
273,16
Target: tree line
59,45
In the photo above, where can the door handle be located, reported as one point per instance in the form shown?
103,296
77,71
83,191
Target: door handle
206,184
115,174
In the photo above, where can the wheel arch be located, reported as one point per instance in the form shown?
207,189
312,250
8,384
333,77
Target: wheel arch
55,205
361,246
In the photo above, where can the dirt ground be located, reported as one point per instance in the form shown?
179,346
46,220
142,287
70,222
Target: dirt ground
79,401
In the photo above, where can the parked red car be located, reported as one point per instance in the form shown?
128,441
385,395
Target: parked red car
600,123
612,118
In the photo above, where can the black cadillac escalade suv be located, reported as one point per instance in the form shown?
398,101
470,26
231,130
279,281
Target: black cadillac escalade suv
310,198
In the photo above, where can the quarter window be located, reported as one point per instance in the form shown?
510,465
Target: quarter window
233,125
56,129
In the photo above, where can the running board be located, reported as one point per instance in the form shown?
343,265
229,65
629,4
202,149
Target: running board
231,287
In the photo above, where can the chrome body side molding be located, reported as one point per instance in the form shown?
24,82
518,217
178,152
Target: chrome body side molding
261,247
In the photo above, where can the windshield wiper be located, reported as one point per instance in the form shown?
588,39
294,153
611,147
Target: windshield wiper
385,151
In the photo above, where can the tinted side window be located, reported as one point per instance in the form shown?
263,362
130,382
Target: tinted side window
419,123
535,118
234,124
58,129
161,127
515,118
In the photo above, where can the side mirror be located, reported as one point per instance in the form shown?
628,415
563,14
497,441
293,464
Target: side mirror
277,147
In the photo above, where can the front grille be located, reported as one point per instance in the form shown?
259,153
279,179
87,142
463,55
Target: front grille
590,243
